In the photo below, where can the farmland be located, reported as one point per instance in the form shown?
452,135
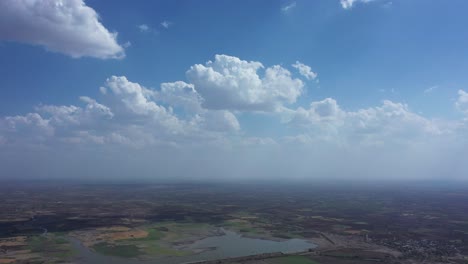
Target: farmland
390,224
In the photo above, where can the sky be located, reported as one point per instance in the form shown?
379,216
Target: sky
294,90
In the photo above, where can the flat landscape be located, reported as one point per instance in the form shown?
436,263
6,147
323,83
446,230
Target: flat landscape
54,222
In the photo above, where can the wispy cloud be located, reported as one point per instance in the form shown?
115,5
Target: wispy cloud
392,91
287,8
144,28
388,5
347,4
166,24
127,44
305,70
431,89
462,102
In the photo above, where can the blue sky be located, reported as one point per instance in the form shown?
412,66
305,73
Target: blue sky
395,68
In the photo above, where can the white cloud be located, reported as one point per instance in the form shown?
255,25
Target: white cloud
127,44
323,119
181,94
134,104
305,70
21,125
388,5
258,141
462,102
390,122
25,130
133,115
166,24
233,84
325,110
431,89
143,28
347,4
68,27
205,109
133,96
192,128
288,7
95,108
220,120
74,115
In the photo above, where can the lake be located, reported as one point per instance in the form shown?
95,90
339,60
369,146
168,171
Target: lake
231,244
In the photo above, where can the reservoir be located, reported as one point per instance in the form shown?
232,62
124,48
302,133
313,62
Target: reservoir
229,245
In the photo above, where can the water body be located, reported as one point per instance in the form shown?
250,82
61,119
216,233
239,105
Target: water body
231,244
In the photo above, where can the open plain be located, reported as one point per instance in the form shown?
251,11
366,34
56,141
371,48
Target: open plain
142,223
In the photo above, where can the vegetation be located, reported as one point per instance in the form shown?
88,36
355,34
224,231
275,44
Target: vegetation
38,243
430,224
294,260
53,246
153,234
126,251
158,250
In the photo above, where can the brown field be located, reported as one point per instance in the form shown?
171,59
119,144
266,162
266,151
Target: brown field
13,241
122,235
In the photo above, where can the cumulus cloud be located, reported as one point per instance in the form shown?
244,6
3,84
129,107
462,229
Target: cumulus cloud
132,115
61,122
347,4
389,123
305,70
19,127
192,128
134,97
320,111
233,84
205,108
181,94
69,27
220,120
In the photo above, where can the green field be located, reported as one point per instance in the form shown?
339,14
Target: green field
155,249
54,246
156,243
126,251
293,260
153,234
